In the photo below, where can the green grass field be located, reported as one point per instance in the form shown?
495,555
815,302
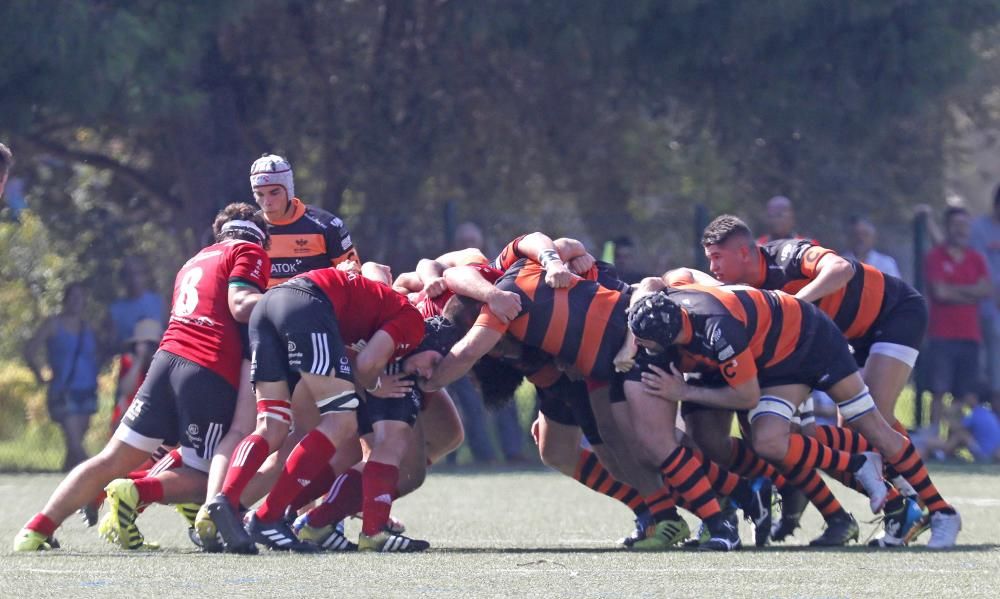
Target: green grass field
511,534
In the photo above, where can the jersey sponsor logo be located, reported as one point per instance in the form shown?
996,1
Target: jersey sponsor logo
345,243
285,268
727,352
345,365
336,222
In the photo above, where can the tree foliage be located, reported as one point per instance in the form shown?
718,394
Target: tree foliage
134,121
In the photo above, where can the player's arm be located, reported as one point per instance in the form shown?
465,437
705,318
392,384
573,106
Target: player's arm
372,360
832,273
624,360
463,356
408,282
243,296
540,248
689,276
462,258
741,393
431,275
469,282
574,254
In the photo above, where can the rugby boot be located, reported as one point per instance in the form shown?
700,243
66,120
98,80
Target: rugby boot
663,535
758,513
30,540
841,529
277,536
724,530
204,533
229,526
386,542
327,538
793,504
118,525
90,513
643,521
899,524
944,529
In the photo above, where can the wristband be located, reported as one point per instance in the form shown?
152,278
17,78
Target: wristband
546,257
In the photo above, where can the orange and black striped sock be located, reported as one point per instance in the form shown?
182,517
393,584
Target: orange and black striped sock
842,439
805,453
743,460
722,480
819,494
685,474
662,504
911,467
592,474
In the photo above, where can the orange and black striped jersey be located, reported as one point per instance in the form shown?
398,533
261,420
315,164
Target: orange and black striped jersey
583,324
742,332
790,264
310,238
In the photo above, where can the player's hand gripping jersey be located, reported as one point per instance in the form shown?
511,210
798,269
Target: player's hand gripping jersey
202,328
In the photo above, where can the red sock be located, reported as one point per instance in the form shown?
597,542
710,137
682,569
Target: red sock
42,524
308,458
150,490
684,472
592,474
246,460
344,499
317,487
378,483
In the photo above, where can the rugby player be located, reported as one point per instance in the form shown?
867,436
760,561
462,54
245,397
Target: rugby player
189,393
771,348
298,336
303,237
583,325
883,318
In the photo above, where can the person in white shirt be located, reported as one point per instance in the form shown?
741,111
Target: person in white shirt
863,235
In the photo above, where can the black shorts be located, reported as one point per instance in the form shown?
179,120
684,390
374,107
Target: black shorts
401,409
293,329
904,323
822,360
180,402
567,402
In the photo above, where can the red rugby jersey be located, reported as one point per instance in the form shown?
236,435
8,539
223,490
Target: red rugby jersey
201,327
363,306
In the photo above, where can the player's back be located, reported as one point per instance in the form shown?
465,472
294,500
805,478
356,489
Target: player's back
362,306
201,327
583,324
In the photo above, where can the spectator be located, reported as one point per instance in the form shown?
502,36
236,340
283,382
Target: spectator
140,302
863,235
985,238
71,355
470,400
624,260
957,279
779,215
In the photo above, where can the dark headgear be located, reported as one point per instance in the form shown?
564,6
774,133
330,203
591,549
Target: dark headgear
439,335
656,318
